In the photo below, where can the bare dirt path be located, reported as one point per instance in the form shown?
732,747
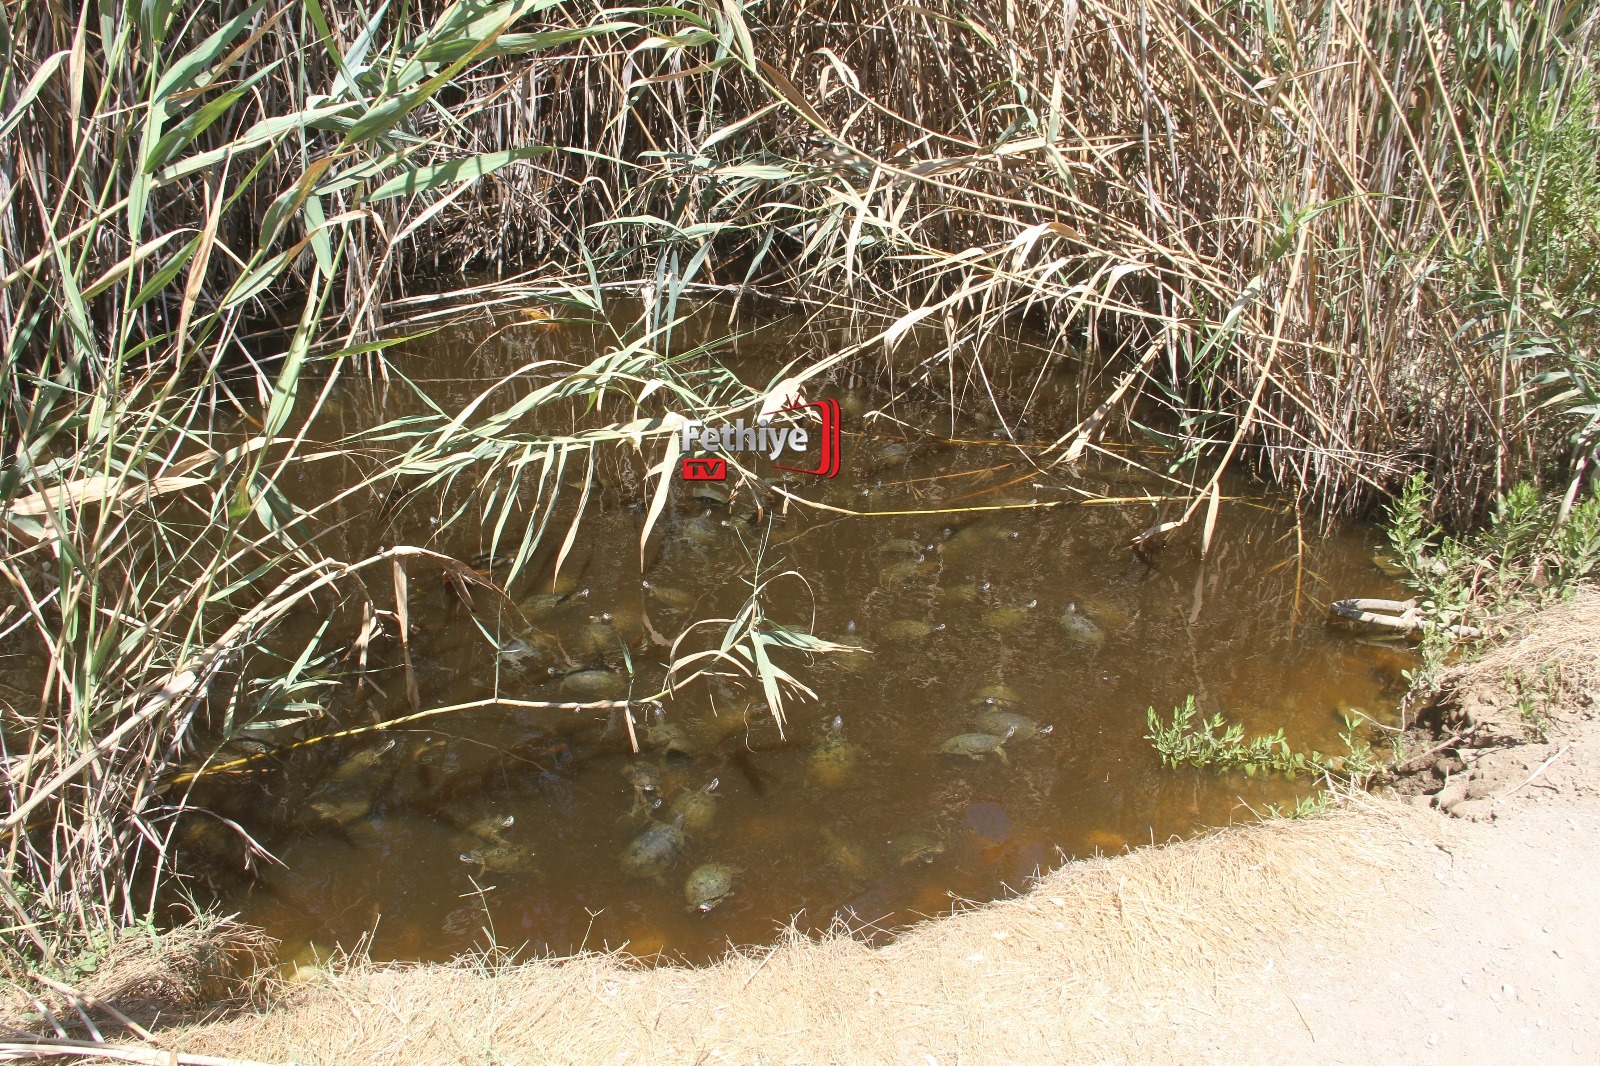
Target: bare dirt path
1501,963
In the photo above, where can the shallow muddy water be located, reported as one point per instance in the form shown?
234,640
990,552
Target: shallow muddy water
524,825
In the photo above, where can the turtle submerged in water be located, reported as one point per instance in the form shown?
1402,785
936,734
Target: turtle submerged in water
910,630
349,793
1012,617
594,684
844,856
916,848
499,858
998,721
645,777
978,745
697,808
670,597
833,762
670,740
651,852
492,852
995,695
709,886
1080,628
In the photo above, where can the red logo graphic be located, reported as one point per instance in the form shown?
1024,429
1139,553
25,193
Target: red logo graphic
828,441
704,469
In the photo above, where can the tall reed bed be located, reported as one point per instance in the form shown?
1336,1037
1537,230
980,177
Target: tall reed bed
1339,241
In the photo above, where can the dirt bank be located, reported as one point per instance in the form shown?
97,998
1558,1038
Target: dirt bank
1099,959
1384,930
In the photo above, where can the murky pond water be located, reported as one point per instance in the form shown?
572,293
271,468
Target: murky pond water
542,828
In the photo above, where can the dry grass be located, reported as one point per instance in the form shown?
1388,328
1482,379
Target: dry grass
1543,670
143,974
1086,966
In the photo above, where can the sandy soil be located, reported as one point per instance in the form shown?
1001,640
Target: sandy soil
1500,963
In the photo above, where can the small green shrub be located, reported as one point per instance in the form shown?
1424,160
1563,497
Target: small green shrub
1304,807
1527,555
1216,742
1222,744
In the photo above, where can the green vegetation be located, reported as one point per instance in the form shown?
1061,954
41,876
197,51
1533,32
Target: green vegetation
1217,743
1528,553
1340,241
1191,740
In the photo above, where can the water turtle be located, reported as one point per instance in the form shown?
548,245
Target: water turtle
708,886
910,629
904,570
542,605
362,762
237,747
995,695
596,684
966,593
206,836
697,807
704,531
674,599
1390,564
776,537
350,791
977,745
491,828
670,739
514,651
847,858
594,639
1080,627
997,721
976,538
1106,613
916,848
502,858
645,778
851,661
564,584
344,802
832,763
890,453
653,850
1004,618
712,492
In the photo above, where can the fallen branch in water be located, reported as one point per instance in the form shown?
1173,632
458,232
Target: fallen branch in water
1409,620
